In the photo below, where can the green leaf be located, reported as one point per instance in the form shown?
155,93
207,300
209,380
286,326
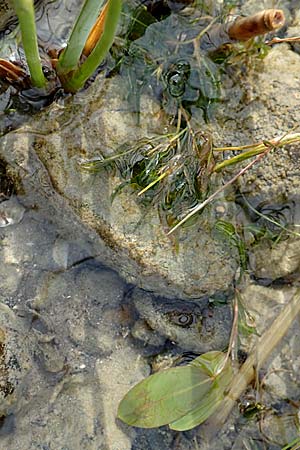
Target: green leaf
229,231
171,394
70,57
88,67
211,362
207,405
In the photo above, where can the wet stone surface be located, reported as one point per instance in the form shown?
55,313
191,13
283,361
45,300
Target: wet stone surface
74,335
16,356
144,254
195,327
70,334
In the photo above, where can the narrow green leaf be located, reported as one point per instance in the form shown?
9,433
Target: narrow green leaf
171,394
25,12
69,58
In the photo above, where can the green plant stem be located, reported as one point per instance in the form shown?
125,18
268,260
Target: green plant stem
266,344
202,205
25,12
70,57
240,158
86,70
153,183
254,149
259,150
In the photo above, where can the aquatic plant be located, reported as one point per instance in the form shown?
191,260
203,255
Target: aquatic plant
90,40
270,221
171,171
257,150
174,172
206,389
72,74
229,231
181,397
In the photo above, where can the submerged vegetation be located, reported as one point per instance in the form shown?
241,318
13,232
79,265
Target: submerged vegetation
182,172
171,171
178,171
205,389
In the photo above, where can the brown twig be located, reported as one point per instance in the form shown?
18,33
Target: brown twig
266,344
244,28
281,40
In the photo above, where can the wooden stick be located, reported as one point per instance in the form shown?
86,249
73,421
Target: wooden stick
277,40
266,344
244,28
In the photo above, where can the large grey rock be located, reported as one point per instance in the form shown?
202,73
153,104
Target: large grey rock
193,326
15,359
95,122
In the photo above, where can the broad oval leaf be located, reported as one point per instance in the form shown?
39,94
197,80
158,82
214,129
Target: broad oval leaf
208,404
170,394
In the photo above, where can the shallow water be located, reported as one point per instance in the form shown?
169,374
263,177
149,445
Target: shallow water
85,335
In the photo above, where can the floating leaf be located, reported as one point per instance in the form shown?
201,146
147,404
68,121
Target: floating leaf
172,394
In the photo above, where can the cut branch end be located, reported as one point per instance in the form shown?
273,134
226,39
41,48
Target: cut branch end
244,28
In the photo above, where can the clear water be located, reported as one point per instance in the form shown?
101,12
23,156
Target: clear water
85,335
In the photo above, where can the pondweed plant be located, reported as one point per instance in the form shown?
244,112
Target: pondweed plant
207,388
174,171
258,151
164,170
90,40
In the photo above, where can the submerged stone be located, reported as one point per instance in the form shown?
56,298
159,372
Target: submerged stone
96,122
195,327
15,360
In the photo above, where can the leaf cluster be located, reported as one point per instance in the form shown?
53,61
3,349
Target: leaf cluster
162,64
171,171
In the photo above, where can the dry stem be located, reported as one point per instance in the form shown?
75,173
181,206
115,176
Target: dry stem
11,71
266,344
244,28
282,40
